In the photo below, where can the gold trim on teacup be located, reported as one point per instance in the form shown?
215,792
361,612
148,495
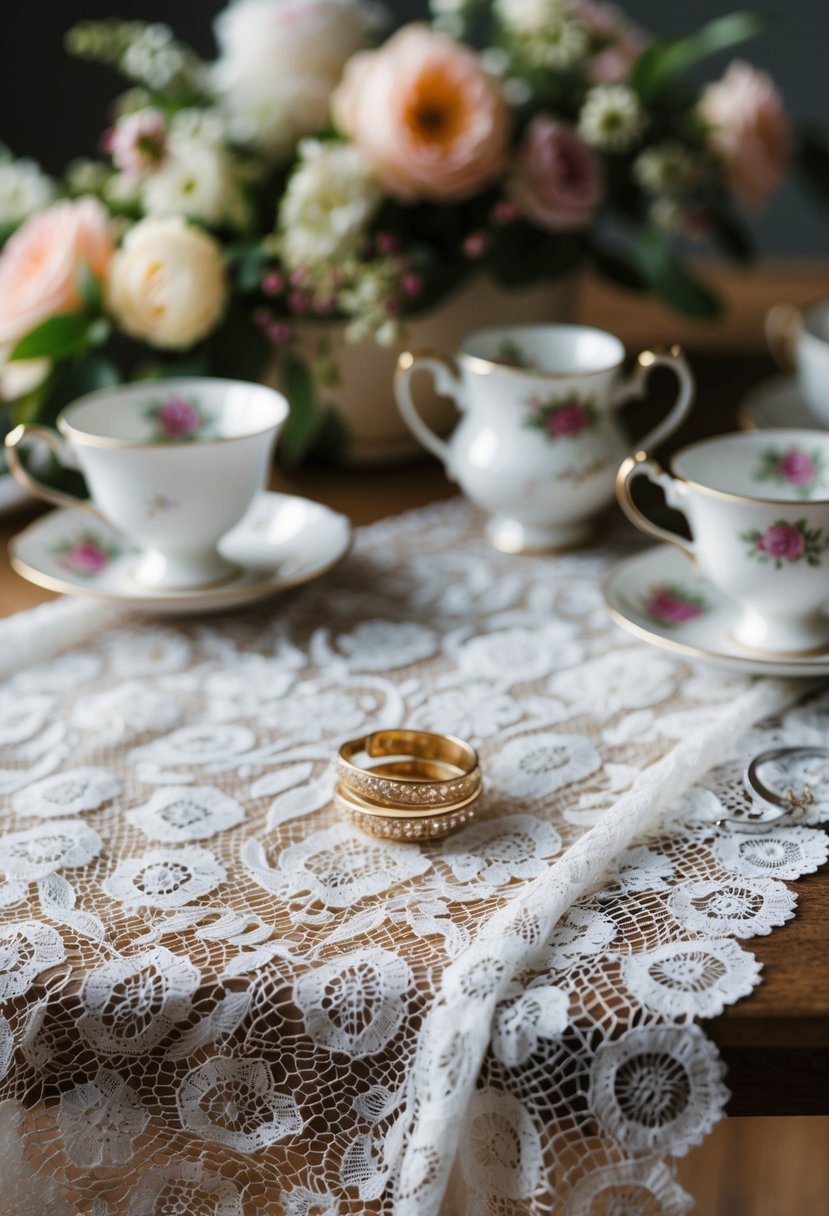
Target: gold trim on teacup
729,495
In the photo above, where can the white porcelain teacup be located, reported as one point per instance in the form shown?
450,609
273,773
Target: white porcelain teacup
539,441
799,342
758,509
172,464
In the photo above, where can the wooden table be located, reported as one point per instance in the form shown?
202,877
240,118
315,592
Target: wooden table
776,1042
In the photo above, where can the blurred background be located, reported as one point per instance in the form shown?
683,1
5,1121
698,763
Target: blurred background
51,105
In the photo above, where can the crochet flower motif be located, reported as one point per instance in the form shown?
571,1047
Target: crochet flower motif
133,1002
744,907
236,1103
100,1120
500,850
192,812
657,1088
632,1186
187,1189
165,878
526,1017
55,845
355,1004
338,867
536,765
500,1150
697,978
71,792
27,948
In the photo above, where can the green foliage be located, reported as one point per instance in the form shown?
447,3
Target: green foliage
306,417
665,274
58,337
661,62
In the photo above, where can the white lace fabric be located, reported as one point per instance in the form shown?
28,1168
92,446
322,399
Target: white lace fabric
216,999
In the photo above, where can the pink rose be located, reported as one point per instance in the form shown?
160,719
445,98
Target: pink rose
621,42
569,419
749,131
556,180
178,418
87,558
782,542
138,142
664,606
39,265
425,114
798,467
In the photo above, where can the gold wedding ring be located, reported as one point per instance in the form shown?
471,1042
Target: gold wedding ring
423,787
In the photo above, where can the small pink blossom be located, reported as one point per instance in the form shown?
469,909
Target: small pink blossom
272,283
411,285
798,467
505,212
749,131
178,418
279,333
299,301
556,179
665,606
782,542
87,558
298,277
387,243
138,142
476,244
568,419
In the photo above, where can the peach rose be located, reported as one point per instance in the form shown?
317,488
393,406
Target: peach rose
749,131
39,265
426,115
557,180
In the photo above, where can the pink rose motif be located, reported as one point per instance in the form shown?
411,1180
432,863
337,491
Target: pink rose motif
40,262
798,467
178,418
663,605
749,131
556,179
426,115
783,542
568,419
87,558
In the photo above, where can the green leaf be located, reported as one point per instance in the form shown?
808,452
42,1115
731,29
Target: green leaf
305,418
661,62
89,287
672,282
56,338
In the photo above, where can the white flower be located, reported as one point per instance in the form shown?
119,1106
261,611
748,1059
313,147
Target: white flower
19,377
236,1103
166,283
612,118
781,853
523,1018
561,44
165,878
697,978
666,168
55,845
279,62
24,188
191,812
100,1120
745,907
133,1001
153,56
71,792
529,16
328,204
196,180
355,1003
27,947
138,142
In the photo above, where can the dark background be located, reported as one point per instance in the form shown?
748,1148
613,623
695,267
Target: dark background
54,108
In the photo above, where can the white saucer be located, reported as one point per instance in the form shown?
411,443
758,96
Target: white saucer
649,594
283,541
777,403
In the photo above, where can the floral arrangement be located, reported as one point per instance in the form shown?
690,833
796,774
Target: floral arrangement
314,172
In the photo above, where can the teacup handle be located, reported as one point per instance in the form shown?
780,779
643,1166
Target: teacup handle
636,386
782,326
643,465
20,437
447,382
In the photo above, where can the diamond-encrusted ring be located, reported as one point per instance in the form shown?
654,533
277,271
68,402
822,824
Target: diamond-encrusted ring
418,771
398,823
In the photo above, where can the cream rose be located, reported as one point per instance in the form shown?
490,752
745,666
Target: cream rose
750,132
39,264
426,115
167,284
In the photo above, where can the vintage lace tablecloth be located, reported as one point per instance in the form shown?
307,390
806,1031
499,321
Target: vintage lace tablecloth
218,1000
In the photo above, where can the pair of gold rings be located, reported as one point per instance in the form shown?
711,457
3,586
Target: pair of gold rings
423,786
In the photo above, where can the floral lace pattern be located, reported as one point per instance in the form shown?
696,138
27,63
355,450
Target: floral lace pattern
219,998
